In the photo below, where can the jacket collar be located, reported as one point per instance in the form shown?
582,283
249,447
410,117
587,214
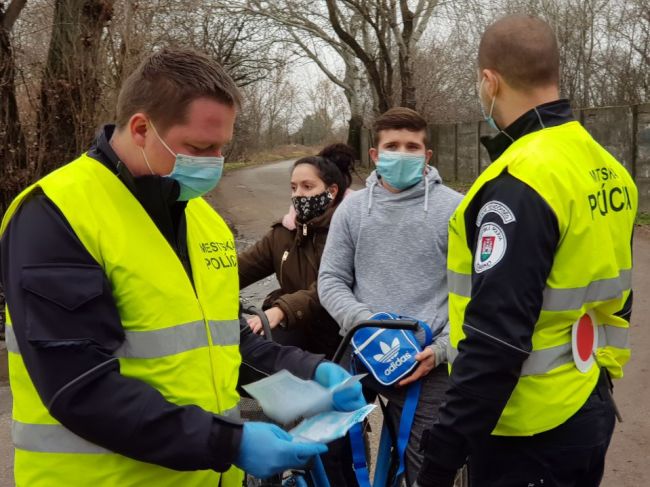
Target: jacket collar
102,151
543,116
320,224
157,195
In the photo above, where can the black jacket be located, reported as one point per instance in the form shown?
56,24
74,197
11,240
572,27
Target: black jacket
505,305
69,355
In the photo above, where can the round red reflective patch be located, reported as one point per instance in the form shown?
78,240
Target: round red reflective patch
585,337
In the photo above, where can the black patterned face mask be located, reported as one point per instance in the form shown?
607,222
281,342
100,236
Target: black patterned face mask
308,207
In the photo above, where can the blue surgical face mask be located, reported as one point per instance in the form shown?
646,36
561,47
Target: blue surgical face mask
196,175
399,169
488,118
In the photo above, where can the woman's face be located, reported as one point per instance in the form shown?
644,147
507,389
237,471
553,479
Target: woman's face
306,182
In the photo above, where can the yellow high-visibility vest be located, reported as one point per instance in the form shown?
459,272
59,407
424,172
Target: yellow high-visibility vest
595,201
181,338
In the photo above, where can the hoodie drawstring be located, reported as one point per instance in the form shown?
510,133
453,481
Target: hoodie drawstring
372,186
426,196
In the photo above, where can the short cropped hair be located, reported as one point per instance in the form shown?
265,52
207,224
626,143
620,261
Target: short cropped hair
167,81
523,49
398,118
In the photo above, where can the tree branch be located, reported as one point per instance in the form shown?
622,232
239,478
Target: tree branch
11,14
363,56
315,58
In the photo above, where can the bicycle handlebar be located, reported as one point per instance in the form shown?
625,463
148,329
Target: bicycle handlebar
254,310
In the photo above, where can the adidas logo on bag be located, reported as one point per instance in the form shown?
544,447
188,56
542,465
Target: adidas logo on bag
389,352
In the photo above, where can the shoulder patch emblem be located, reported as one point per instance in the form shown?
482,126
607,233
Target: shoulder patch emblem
490,247
501,209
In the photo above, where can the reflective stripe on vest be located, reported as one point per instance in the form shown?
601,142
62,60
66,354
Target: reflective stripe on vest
167,341
544,360
10,340
558,299
56,438
178,339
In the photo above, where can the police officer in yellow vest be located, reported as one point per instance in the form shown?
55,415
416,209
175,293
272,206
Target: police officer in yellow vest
539,274
124,335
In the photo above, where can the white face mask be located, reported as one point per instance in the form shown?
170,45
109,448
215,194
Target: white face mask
196,175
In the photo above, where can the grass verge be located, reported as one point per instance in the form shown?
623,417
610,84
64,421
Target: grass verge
642,218
281,153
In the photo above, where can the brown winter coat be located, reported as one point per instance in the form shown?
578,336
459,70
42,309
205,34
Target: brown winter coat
294,257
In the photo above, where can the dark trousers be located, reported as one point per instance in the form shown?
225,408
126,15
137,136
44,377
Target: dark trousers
338,464
571,455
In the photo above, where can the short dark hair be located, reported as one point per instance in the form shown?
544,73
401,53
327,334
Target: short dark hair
167,81
523,49
398,118
334,164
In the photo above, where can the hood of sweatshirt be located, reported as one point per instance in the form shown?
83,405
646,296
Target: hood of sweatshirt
419,192
387,252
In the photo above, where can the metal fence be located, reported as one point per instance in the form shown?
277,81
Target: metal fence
624,131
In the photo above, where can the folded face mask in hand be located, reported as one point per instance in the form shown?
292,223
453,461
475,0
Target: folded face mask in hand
329,426
285,398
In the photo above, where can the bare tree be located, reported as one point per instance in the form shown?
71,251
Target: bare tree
365,35
638,15
13,153
352,80
305,26
388,27
70,86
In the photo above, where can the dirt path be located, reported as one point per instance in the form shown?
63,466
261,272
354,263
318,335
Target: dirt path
628,461
253,198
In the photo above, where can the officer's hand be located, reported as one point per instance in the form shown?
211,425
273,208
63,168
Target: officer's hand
427,363
267,450
330,375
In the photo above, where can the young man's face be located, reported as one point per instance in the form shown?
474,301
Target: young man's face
400,140
207,128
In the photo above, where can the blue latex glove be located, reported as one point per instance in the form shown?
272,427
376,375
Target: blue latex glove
267,450
329,375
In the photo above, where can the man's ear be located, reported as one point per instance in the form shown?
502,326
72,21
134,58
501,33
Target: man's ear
427,156
491,83
138,128
374,154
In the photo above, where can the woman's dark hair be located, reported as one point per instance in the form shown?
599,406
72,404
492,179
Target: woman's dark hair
334,164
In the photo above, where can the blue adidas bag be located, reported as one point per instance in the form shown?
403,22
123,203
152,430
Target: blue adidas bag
389,355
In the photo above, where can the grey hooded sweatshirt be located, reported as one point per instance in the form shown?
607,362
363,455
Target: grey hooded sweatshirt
388,252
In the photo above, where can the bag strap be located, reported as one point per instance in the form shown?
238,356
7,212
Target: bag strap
406,422
384,457
359,460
